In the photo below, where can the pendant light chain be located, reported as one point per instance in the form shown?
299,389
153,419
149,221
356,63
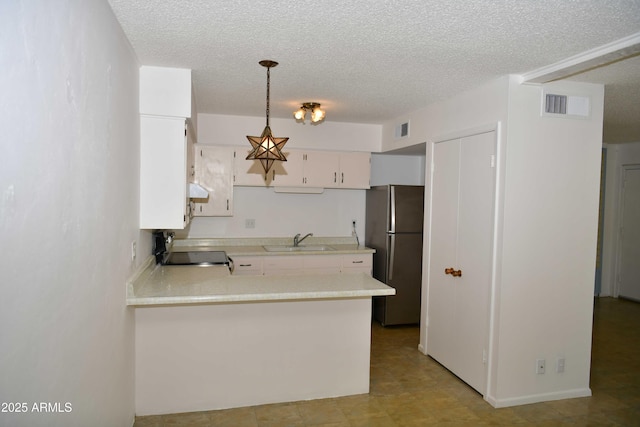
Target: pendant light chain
267,148
268,85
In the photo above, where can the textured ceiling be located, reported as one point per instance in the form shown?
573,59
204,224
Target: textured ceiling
370,61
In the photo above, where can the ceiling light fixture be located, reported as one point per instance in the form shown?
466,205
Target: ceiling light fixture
317,114
266,147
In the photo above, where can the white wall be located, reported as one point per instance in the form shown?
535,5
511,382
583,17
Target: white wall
284,215
547,270
397,169
547,207
219,129
68,212
617,155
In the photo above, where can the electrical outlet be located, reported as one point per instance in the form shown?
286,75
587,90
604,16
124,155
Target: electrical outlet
250,223
540,366
560,365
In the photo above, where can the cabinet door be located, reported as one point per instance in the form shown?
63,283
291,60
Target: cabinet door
322,264
247,172
461,229
164,196
284,265
289,173
250,173
355,170
321,168
214,171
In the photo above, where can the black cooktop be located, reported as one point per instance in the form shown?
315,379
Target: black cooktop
197,258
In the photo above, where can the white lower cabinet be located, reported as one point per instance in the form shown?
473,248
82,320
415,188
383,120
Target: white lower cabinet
353,263
247,265
287,265
301,264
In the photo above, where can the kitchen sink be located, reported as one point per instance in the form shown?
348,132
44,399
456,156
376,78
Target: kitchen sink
300,248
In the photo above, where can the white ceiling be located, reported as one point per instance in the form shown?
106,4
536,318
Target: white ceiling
371,61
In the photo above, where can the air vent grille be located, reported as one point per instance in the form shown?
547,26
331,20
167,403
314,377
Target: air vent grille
402,130
555,104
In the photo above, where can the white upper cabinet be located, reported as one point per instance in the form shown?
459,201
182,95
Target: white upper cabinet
214,172
164,168
165,91
321,168
166,153
289,173
306,168
355,170
247,172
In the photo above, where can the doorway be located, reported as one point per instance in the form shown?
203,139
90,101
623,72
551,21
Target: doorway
629,267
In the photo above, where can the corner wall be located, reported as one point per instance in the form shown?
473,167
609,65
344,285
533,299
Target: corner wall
68,213
545,241
547,269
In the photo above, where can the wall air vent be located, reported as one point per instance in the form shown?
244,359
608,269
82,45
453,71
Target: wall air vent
402,130
568,106
555,104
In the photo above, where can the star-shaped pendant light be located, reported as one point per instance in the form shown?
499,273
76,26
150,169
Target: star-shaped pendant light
266,147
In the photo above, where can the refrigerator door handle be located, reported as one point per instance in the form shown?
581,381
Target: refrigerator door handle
392,253
392,208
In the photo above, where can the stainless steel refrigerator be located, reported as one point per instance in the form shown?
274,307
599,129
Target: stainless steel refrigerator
393,227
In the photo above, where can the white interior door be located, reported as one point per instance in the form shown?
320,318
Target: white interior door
630,235
474,256
462,239
443,242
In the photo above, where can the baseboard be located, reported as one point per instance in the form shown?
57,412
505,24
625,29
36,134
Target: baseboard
537,398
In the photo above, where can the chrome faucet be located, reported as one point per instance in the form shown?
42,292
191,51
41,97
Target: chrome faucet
297,239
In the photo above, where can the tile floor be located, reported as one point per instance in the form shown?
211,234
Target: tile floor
410,389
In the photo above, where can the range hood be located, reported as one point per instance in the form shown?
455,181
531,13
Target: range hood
196,191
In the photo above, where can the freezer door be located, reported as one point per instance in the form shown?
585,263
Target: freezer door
406,209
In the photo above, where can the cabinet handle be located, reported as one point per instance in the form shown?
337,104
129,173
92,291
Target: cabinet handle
449,270
342,178
246,265
357,262
457,273
227,204
335,177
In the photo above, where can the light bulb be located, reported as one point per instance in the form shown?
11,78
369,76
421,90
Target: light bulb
299,115
317,115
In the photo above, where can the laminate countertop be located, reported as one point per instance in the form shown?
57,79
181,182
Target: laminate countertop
256,246
179,285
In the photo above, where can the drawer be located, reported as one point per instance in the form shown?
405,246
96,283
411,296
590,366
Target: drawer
357,260
247,265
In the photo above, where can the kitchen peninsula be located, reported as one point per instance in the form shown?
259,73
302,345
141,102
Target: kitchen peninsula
207,339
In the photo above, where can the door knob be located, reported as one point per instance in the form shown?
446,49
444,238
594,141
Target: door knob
452,271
